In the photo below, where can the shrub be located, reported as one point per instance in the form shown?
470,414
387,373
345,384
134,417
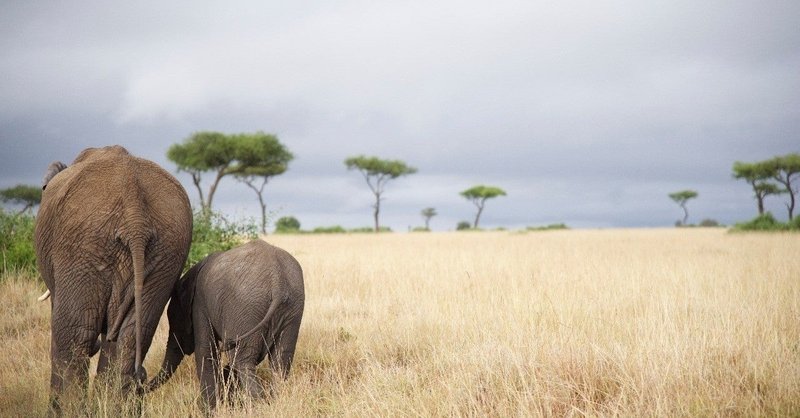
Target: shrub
463,225
16,242
287,225
765,222
547,227
794,224
336,229
420,229
212,232
709,223
367,229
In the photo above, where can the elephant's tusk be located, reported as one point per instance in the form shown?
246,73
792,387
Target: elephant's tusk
44,296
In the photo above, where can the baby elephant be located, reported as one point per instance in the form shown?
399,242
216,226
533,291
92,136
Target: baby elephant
249,299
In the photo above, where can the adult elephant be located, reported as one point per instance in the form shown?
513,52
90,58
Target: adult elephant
112,235
248,299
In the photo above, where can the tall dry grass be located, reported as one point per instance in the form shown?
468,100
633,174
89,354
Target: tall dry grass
674,322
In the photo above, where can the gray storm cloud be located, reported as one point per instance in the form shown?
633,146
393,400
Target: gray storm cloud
585,112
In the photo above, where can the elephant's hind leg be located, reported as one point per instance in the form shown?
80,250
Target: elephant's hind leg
73,338
206,356
244,359
281,353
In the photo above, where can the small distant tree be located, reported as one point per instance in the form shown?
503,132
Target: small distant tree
287,224
427,214
259,156
681,198
786,170
757,175
29,196
462,226
478,195
377,173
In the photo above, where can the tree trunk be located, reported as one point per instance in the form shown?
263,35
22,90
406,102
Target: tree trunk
28,206
172,359
788,184
377,211
685,214
263,214
196,180
760,204
213,188
427,221
478,216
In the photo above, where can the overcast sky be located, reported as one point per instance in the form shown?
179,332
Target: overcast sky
585,112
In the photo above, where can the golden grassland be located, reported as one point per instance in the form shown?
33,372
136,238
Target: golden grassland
661,322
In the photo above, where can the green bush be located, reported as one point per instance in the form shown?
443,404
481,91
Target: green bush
287,225
709,223
767,222
368,229
463,226
550,227
213,232
16,242
210,234
336,229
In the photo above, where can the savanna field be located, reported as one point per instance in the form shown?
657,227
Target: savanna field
644,322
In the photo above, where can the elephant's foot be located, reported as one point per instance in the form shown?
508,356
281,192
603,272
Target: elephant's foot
140,380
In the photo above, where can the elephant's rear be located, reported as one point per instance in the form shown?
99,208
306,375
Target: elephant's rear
278,277
91,211
94,215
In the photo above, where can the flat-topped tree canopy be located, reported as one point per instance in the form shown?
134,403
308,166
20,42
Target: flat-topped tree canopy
377,172
247,156
478,195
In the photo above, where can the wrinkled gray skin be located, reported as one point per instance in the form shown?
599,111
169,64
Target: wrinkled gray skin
249,299
112,234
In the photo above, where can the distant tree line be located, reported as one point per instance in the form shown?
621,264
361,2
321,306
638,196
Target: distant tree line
774,176
254,158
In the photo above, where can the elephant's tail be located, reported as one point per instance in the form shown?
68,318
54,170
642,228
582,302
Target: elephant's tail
136,245
273,306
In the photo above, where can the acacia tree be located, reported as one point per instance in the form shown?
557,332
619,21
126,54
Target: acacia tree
681,198
377,173
786,169
478,195
428,213
259,156
247,156
29,196
757,174
201,152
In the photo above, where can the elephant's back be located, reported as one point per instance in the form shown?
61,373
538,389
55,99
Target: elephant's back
250,276
97,200
256,261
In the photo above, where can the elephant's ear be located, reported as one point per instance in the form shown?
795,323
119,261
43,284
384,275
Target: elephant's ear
54,168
